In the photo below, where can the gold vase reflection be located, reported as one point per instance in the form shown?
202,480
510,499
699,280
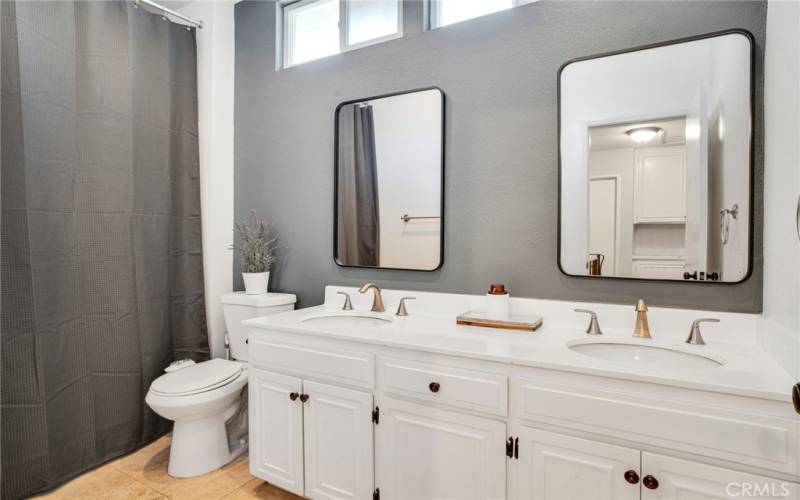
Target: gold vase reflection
595,264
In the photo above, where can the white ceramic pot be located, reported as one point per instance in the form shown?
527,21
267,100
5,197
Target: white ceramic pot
255,283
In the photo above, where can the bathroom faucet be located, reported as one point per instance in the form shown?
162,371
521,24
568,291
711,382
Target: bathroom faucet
401,308
377,301
694,335
642,329
594,325
348,306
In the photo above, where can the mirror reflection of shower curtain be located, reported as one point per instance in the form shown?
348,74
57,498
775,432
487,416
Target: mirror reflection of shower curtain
358,240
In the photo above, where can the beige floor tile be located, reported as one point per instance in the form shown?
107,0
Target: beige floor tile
149,466
256,488
239,470
143,475
156,451
103,483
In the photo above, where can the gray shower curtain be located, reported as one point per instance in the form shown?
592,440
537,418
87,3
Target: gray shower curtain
102,277
358,224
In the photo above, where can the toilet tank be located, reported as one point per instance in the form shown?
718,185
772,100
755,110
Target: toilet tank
238,306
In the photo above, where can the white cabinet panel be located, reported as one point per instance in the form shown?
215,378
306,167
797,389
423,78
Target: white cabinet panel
338,442
276,430
309,361
423,452
737,436
553,466
675,478
470,389
660,185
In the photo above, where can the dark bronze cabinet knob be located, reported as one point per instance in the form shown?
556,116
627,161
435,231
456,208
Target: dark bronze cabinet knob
650,482
631,476
293,396
796,397
434,386
690,276
303,398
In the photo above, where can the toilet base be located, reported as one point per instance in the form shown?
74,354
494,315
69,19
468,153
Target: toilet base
199,446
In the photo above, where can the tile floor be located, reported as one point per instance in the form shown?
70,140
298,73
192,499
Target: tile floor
143,475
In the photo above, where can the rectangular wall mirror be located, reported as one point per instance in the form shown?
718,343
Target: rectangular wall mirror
655,150
389,171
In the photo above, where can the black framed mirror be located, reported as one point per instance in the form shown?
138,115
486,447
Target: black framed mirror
389,181
656,161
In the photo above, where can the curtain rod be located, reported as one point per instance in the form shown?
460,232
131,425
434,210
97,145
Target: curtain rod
164,10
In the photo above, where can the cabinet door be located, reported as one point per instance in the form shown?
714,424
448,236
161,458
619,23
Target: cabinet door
423,452
338,442
660,185
276,430
676,478
553,466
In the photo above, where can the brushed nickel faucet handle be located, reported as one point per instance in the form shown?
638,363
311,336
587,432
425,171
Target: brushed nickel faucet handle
377,299
694,337
401,309
594,325
348,306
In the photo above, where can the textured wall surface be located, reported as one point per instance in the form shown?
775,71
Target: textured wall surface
499,77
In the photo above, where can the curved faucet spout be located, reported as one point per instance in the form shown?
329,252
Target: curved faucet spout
377,300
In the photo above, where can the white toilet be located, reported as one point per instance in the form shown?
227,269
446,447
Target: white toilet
201,397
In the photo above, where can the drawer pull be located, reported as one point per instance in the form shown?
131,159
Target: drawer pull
293,396
303,398
434,386
632,477
650,482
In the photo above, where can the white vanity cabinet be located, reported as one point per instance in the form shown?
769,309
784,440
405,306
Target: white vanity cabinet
354,418
552,466
425,452
310,438
276,429
669,478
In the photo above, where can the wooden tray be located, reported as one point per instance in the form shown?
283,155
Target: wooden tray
515,322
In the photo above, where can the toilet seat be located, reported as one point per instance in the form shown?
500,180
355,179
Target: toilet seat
198,378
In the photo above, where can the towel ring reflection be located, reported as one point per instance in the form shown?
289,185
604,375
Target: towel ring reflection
725,216
797,217
406,217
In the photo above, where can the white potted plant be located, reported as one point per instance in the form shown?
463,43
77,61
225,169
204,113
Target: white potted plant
256,253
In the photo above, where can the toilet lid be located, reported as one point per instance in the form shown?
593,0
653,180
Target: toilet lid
197,378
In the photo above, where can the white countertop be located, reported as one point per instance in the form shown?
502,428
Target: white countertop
748,369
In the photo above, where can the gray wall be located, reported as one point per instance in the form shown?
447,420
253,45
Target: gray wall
499,76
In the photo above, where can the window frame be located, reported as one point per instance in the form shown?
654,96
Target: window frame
344,19
287,28
285,7
433,13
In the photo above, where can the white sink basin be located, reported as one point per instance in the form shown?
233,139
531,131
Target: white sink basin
642,354
348,320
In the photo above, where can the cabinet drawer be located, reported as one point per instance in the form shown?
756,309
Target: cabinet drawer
346,367
727,434
484,392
